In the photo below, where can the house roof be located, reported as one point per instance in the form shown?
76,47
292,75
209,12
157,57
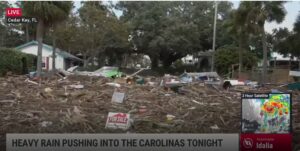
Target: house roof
50,48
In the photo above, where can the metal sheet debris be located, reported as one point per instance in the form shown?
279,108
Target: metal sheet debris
118,97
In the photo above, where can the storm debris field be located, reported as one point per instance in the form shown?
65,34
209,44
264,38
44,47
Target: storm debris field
58,106
80,104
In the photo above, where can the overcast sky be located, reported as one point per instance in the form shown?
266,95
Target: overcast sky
292,8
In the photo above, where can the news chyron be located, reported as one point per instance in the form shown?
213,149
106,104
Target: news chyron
15,15
266,122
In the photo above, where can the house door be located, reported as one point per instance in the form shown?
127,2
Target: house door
45,63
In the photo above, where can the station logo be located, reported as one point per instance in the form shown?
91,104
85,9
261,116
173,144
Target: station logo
248,143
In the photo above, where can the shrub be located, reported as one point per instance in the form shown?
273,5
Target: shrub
15,61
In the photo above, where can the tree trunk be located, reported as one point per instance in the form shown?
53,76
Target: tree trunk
167,63
2,40
39,36
265,52
125,60
101,59
85,61
290,63
154,62
240,57
27,32
298,63
54,52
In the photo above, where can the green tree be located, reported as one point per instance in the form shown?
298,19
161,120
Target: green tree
3,6
239,28
10,34
287,43
104,36
227,56
261,12
47,14
93,19
167,31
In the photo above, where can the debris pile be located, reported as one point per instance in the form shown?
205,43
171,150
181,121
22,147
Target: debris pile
82,104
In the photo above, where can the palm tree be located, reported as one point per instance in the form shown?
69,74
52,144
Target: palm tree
47,14
261,12
240,29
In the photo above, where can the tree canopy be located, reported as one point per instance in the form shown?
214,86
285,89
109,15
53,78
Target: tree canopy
167,31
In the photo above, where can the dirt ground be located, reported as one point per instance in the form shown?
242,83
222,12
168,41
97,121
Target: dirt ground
55,107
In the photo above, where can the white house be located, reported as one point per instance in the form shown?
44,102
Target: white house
279,57
63,59
280,60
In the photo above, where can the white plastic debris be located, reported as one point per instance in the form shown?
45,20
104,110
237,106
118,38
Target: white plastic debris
215,127
48,90
46,123
200,103
32,82
76,110
76,86
114,84
170,117
192,108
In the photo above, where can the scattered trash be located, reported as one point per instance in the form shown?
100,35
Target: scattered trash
72,69
294,86
48,90
29,81
77,86
151,83
140,81
74,117
106,71
142,109
118,121
235,82
275,91
167,94
215,127
46,123
214,103
206,77
195,107
117,85
170,117
186,78
118,97
192,108
294,73
200,103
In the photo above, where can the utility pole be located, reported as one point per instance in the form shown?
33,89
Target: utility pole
214,38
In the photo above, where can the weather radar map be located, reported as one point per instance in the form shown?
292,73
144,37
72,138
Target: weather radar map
266,113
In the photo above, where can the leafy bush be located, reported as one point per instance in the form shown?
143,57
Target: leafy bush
15,61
